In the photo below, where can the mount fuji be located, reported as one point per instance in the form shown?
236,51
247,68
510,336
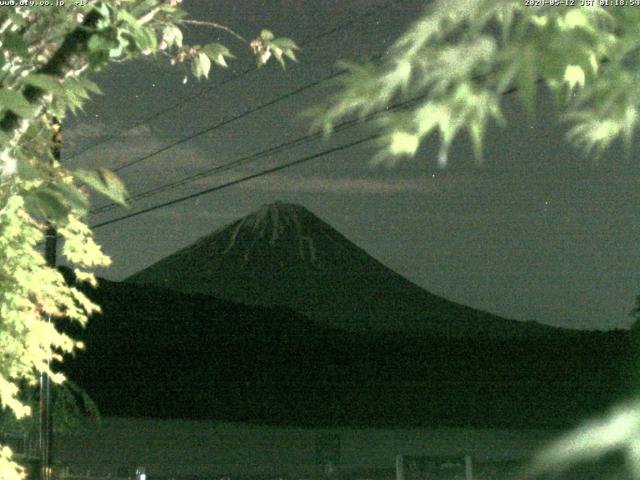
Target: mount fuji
248,324
284,255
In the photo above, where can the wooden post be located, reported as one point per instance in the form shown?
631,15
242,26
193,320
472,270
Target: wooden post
468,468
46,423
399,467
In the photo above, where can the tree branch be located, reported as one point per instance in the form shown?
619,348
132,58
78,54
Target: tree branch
217,26
12,124
149,16
6,24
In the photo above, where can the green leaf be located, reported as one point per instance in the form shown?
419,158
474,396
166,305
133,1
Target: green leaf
72,195
76,88
144,37
201,65
476,130
121,43
11,99
172,35
15,43
266,35
103,9
89,86
48,83
47,204
127,18
291,55
75,93
142,7
285,44
105,182
55,199
27,170
526,81
277,53
98,42
98,58
217,53
15,101
505,19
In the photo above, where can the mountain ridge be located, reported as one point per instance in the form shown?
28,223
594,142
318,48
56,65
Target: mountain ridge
282,254
155,352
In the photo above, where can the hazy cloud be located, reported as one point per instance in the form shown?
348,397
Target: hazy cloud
97,129
323,184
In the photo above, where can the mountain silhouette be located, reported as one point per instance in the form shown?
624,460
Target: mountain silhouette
155,352
285,255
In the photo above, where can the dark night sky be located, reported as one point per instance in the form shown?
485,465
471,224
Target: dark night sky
537,231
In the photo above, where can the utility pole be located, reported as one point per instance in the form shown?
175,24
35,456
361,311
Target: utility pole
50,247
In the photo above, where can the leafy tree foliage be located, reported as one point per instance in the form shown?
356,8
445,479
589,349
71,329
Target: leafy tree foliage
46,54
456,62
71,408
450,70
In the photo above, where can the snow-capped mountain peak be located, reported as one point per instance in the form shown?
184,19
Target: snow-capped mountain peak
282,254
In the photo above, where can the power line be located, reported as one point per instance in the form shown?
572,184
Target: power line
202,91
258,155
245,159
238,181
266,172
268,152
226,121
279,167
